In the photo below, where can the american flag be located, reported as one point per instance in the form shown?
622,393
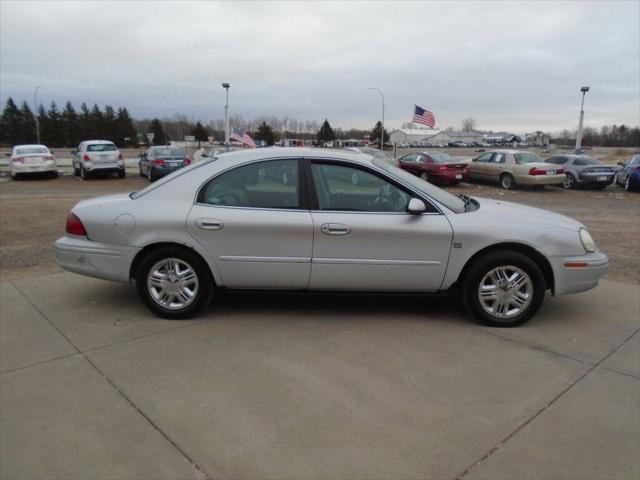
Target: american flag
242,137
425,117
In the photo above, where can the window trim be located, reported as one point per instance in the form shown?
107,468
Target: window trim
313,198
303,193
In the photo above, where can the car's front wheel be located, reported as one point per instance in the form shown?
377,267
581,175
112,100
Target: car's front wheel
174,283
503,289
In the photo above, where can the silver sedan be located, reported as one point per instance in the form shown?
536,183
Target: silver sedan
293,219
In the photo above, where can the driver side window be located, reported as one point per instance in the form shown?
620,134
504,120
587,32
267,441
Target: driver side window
344,188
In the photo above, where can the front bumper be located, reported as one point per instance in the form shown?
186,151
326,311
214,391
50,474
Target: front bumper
578,273
81,255
33,168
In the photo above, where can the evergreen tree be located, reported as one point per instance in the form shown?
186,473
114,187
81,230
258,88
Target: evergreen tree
326,133
124,129
265,134
43,121
10,125
70,131
54,132
84,123
375,134
96,123
159,137
201,133
27,125
109,123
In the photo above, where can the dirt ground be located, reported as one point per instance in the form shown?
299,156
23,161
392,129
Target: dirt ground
33,214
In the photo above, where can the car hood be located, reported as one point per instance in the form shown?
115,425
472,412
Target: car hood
514,212
103,200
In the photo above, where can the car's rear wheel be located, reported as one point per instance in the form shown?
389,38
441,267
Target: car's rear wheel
503,289
84,175
76,170
54,174
122,173
174,283
507,181
424,176
569,182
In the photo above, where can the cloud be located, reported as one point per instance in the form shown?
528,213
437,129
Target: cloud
516,66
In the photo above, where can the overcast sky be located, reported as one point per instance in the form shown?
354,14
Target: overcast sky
512,66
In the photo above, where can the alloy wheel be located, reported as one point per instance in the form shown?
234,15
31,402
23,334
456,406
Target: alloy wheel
505,292
172,283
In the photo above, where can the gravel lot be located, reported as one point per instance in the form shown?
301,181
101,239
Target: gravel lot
34,213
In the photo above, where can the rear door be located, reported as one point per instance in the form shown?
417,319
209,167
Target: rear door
254,221
365,240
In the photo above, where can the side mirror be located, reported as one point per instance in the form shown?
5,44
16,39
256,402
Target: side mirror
7,154
416,206
622,164
72,152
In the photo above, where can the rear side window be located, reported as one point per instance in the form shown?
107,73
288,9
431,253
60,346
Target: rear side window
270,184
101,147
526,157
557,160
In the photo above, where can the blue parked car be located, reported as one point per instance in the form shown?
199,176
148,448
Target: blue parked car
629,174
159,161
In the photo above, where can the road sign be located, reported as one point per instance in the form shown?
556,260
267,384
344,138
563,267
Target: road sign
189,138
150,137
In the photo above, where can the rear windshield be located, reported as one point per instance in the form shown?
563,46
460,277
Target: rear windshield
31,150
171,176
526,157
101,147
586,160
439,157
445,198
169,152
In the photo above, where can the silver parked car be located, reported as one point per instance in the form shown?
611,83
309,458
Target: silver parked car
290,218
97,156
583,170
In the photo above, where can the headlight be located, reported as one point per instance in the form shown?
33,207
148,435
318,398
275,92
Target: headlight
587,240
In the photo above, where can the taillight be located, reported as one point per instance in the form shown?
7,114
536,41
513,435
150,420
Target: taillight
17,159
442,167
120,157
158,161
186,161
86,158
535,171
48,158
74,225
560,171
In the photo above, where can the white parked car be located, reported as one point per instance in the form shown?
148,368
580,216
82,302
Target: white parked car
293,219
97,156
27,159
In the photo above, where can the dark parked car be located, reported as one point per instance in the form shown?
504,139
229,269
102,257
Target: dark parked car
629,174
583,170
435,167
159,161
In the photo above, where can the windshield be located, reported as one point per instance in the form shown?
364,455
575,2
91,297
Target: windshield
101,147
168,178
439,157
31,151
445,198
168,152
526,157
374,152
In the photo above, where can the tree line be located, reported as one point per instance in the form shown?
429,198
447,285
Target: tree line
607,136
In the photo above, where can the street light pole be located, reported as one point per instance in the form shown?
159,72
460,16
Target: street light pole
226,116
584,91
382,129
35,112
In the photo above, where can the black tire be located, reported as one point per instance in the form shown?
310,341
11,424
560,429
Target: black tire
84,175
570,182
122,173
54,174
205,282
627,185
454,183
424,176
507,181
76,171
150,177
474,275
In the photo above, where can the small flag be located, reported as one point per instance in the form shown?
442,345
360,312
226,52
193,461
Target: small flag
425,117
242,137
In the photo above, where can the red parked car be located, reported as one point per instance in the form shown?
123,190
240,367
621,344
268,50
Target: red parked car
435,167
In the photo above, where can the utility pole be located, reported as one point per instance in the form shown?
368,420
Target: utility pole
584,91
35,113
382,129
226,116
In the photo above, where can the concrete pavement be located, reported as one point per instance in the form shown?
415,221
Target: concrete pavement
328,386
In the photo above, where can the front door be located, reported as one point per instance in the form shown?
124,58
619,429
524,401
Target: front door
252,221
365,240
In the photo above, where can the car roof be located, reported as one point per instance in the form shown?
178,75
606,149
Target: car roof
248,155
30,146
97,141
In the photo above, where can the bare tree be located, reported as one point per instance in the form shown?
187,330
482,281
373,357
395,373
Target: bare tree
468,124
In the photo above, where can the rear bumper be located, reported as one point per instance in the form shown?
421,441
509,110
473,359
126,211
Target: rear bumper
100,260
161,171
596,179
104,167
447,176
33,168
540,179
583,273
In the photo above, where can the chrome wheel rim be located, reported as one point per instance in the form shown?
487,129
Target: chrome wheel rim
506,182
172,283
505,292
568,182
626,184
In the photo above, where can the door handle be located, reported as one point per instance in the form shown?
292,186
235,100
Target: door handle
335,229
209,224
